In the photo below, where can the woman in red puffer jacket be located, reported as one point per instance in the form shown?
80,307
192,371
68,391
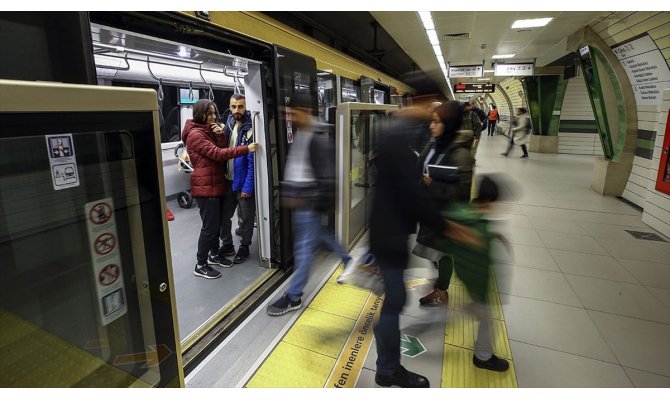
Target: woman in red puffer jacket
208,150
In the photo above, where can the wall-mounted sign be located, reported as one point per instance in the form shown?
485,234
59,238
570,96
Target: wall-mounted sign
474,88
646,69
466,71
504,69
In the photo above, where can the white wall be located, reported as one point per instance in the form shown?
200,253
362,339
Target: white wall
577,107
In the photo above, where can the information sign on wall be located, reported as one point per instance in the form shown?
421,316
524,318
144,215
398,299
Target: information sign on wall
474,88
646,68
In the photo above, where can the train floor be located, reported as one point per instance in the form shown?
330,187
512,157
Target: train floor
580,302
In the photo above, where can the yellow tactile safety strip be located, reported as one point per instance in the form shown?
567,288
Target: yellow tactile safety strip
350,361
307,356
32,357
461,331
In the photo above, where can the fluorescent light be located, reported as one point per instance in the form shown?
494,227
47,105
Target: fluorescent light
426,19
488,71
530,23
438,51
503,56
484,79
432,36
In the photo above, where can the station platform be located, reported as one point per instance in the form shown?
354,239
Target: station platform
581,302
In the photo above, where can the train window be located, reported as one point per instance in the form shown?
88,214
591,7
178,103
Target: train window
327,92
351,90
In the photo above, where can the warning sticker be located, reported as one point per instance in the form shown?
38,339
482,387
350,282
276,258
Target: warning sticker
104,252
63,161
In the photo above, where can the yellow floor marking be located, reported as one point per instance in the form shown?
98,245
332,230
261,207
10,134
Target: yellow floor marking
412,284
290,366
459,372
32,357
350,362
343,300
462,330
320,332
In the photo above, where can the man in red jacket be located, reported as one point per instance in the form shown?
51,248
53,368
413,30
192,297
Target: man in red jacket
208,150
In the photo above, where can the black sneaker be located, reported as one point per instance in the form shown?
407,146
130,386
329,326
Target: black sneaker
494,363
402,378
241,255
227,250
283,306
524,156
207,272
219,261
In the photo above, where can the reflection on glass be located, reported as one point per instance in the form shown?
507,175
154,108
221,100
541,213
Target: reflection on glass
350,90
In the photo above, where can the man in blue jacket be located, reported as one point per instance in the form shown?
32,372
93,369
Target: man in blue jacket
240,177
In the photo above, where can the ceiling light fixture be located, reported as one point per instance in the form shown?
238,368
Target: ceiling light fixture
503,56
488,71
429,26
530,23
484,79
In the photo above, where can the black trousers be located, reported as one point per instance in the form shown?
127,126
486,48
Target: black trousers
211,214
492,127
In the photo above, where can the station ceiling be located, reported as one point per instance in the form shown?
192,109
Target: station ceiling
402,49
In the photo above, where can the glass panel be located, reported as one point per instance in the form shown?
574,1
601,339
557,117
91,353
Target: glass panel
597,103
350,90
75,307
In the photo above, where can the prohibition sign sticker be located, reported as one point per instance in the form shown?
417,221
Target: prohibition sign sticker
100,213
105,243
109,274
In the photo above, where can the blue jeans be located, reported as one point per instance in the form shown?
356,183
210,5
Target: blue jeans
387,330
309,235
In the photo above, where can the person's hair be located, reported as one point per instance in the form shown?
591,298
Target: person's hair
237,96
301,100
487,192
522,110
451,107
200,110
494,106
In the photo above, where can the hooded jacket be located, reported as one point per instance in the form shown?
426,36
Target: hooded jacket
208,154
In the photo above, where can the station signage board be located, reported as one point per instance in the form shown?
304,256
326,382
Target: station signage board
521,69
466,71
474,88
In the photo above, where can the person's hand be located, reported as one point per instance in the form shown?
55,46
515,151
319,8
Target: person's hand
464,234
216,128
253,147
427,179
245,195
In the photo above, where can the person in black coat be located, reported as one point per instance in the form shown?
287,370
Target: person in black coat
399,203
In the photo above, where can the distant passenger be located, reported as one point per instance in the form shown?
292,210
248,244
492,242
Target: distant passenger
399,203
309,189
493,119
207,148
240,179
521,132
473,118
450,147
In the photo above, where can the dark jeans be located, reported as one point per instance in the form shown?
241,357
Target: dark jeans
246,211
492,127
387,330
211,214
524,148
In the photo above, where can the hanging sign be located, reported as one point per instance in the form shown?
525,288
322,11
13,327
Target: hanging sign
474,88
646,69
466,71
63,161
104,250
521,69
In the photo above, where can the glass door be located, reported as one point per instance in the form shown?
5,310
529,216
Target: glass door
358,127
86,294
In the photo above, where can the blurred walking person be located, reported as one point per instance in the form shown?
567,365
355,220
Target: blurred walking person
309,189
520,132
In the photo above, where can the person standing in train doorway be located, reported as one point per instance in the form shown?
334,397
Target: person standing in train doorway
308,189
240,178
399,203
208,150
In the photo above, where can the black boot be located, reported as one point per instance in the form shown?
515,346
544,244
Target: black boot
241,255
494,363
402,378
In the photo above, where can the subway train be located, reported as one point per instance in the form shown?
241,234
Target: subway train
97,288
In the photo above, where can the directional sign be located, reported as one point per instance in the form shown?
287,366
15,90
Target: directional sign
522,69
411,346
474,88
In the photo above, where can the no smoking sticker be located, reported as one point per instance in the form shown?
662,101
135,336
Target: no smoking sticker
100,213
